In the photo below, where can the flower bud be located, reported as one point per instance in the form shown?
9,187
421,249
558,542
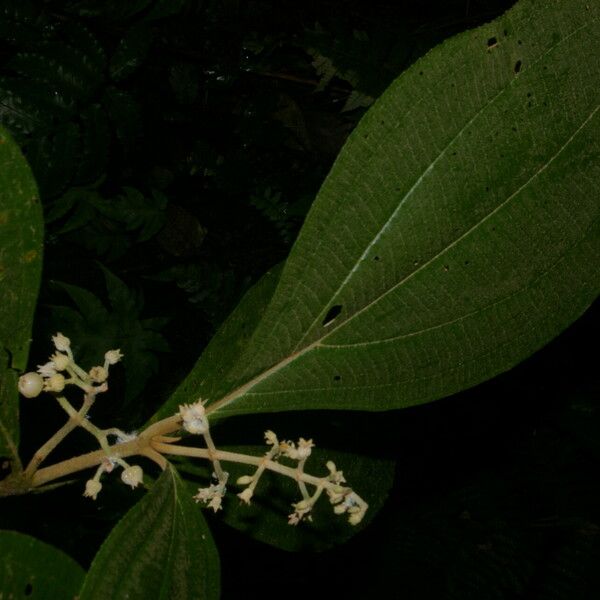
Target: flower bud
92,488
112,357
56,383
245,495
31,384
61,342
60,361
245,480
132,476
98,374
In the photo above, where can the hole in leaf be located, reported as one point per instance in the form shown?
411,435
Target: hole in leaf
337,377
420,72
376,258
492,42
28,589
466,262
332,313
518,66
446,268
519,42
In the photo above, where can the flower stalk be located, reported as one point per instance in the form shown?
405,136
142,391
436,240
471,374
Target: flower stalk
156,442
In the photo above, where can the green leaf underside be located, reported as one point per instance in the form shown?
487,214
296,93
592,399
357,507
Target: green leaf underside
265,519
162,548
32,569
457,232
21,234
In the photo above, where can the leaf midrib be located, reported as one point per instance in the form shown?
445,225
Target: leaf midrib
415,186
243,389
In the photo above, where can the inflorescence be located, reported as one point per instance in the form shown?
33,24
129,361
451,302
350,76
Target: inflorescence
61,371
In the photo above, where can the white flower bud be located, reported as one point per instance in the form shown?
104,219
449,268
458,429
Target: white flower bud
31,384
112,357
98,374
132,476
56,383
60,361
92,488
245,495
356,518
245,479
61,342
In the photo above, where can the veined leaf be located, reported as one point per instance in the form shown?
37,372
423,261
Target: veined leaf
456,234
162,548
32,568
21,234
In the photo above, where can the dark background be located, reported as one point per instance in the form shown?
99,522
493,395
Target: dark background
178,146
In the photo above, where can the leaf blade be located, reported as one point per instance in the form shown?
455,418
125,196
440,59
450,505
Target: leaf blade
21,232
129,562
456,234
31,567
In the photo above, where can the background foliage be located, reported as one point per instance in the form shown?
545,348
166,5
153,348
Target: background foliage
177,147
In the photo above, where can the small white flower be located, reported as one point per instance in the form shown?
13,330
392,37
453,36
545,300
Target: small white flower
271,438
60,361
31,385
56,383
246,495
301,510
47,370
132,476
61,342
212,495
92,488
301,452
194,418
98,374
335,476
112,357
304,448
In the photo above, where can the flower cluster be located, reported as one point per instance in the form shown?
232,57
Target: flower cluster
343,499
212,495
53,376
283,457
62,370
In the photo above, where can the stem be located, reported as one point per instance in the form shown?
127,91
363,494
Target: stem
85,461
75,418
212,451
246,459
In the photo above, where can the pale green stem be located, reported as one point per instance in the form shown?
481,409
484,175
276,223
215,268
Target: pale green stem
247,459
301,484
75,418
212,450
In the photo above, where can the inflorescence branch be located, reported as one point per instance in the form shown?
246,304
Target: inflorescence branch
156,441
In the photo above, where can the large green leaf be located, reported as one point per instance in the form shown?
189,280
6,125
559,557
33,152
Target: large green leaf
21,233
32,569
162,548
456,234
